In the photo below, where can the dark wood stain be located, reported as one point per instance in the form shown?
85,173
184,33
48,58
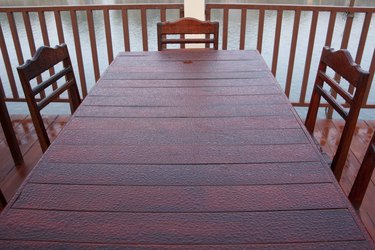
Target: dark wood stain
183,166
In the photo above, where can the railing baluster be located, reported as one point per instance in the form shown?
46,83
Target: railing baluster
144,29
30,38
59,27
163,15
370,79
43,27
94,51
260,30
8,66
107,25
29,32
292,54
225,29
243,28
208,13
347,30
16,40
163,18
77,43
276,45
310,48
362,40
125,28
330,29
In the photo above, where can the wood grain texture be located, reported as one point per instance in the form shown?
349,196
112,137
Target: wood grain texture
179,199
181,154
262,78
198,55
106,98
181,228
117,75
187,92
185,111
181,158
204,124
181,175
186,66
189,136
344,245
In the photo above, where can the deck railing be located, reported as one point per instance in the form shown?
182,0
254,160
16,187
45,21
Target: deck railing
290,37
93,33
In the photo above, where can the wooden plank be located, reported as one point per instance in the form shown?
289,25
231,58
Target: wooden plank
185,66
182,100
201,55
181,75
181,228
209,124
179,199
262,78
186,92
190,136
181,175
187,111
177,154
344,245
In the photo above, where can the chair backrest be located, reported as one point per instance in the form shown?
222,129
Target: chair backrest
184,26
364,175
45,59
343,65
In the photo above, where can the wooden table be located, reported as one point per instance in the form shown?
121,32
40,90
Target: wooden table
183,149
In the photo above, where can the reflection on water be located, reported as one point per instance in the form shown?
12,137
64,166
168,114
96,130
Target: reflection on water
153,16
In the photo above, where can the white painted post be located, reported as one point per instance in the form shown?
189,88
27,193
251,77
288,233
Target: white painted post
196,9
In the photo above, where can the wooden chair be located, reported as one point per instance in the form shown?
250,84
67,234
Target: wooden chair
364,176
185,26
342,63
45,58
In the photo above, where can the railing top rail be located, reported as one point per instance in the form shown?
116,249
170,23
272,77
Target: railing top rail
88,7
176,6
290,7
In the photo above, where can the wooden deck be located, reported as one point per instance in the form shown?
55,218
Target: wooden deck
326,132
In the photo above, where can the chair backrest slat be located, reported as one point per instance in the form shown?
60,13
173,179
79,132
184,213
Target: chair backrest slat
343,65
45,84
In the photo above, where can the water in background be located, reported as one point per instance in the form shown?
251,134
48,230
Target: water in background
233,39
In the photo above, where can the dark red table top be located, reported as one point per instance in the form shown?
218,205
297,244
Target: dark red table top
183,150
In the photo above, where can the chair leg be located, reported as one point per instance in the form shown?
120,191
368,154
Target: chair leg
3,201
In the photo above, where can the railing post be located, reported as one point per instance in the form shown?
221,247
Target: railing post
196,9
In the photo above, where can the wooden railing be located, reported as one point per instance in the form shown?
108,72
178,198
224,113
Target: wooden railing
313,26
89,31
289,37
